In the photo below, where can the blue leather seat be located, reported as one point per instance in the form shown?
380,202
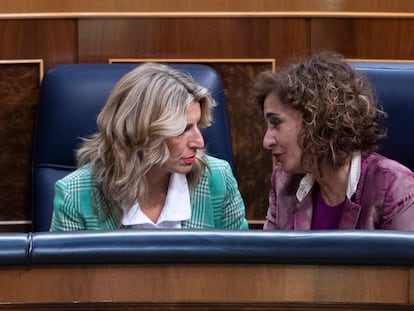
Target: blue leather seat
394,86
71,97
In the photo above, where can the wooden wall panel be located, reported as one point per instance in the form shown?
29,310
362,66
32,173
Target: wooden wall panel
219,283
101,39
19,87
252,164
54,41
364,38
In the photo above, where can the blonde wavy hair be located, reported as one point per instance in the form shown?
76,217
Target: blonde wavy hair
337,104
147,106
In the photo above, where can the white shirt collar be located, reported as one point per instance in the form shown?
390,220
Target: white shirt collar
307,181
176,208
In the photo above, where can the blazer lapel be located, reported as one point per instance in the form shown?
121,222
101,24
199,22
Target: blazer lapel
303,213
350,215
202,216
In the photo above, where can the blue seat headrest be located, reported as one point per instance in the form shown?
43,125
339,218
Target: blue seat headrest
393,83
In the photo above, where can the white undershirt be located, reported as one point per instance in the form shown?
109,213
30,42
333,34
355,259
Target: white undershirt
307,181
176,208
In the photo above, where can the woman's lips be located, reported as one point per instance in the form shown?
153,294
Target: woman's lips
277,158
190,160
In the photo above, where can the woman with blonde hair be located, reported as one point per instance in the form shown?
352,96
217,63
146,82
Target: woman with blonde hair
146,166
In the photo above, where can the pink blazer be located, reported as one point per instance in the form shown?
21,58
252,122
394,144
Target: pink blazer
384,199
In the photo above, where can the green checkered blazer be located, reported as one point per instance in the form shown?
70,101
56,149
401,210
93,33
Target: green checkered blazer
215,202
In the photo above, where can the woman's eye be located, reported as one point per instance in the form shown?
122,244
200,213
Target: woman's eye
187,128
275,122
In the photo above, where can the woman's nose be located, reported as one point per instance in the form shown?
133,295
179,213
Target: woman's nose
268,140
197,140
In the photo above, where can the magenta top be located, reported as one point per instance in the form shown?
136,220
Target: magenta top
325,216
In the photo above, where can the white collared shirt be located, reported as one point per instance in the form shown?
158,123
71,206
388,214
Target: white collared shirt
176,208
307,181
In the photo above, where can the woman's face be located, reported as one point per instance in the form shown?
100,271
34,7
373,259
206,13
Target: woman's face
283,126
183,148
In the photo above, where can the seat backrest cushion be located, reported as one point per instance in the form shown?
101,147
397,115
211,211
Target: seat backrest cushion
393,83
71,97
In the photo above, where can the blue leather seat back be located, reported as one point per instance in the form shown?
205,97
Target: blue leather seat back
394,86
71,97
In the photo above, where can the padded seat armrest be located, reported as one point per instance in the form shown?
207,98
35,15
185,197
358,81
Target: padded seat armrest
389,248
14,249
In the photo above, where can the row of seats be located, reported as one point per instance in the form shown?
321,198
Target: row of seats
72,95
382,248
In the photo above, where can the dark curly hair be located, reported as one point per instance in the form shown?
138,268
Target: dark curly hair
337,104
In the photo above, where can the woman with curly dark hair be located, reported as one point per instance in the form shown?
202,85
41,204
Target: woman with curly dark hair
323,127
